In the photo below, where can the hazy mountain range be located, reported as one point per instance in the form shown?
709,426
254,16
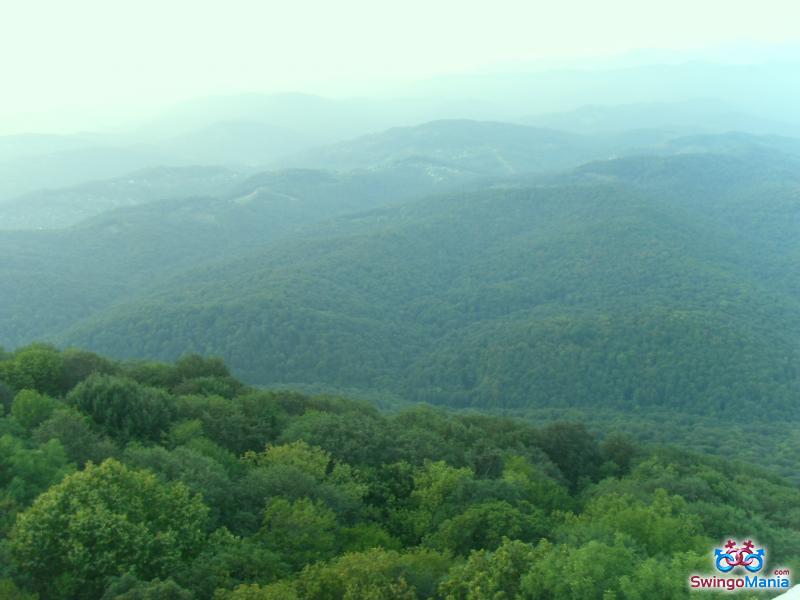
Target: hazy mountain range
692,243
639,254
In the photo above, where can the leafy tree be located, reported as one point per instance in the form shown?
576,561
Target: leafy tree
30,408
202,475
651,526
620,450
377,574
228,561
302,532
295,520
192,366
276,591
9,591
308,459
538,488
123,407
243,424
485,460
653,579
128,587
6,396
487,574
389,488
483,526
104,521
38,366
183,432
363,536
75,432
26,472
573,449
150,373
298,470
79,364
434,485
590,572
356,437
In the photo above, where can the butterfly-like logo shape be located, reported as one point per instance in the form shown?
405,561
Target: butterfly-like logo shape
733,555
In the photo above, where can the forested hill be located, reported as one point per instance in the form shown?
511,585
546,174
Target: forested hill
142,480
62,207
480,146
633,284
117,252
398,163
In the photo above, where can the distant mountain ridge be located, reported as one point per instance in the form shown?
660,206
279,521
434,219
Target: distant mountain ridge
664,278
455,141
64,207
633,293
685,118
442,152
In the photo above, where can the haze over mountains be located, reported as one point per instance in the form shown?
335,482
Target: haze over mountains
607,250
638,251
678,97
400,301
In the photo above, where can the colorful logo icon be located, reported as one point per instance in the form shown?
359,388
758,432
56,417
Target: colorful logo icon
733,555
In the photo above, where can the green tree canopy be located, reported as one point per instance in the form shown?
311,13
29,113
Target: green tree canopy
30,408
126,409
104,521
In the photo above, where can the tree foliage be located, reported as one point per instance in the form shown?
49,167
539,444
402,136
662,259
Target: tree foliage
103,521
124,486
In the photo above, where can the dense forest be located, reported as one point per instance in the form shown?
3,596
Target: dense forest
628,293
641,282
453,374
399,301
146,480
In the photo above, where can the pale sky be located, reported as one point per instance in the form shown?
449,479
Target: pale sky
114,55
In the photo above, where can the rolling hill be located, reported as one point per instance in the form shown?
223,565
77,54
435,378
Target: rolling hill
489,148
631,292
59,276
64,207
635,283
398,162
688,117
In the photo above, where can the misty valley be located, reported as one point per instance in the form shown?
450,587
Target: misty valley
281,347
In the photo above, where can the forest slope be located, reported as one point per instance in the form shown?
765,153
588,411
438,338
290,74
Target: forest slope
598,289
